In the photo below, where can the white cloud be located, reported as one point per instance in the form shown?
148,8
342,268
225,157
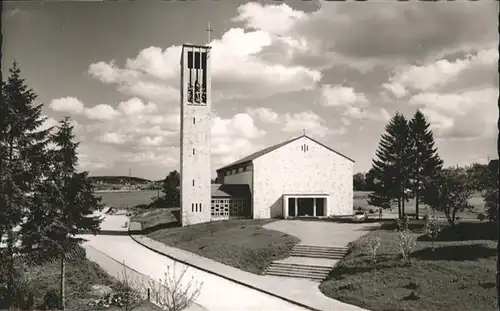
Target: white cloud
468,114
101,112
113,138
341,96
266,115
135,106
276,19
308,121
240,124
438,74
67,104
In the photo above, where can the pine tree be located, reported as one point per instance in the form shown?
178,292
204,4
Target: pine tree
391,166
171,189
66,202
22,147
426,162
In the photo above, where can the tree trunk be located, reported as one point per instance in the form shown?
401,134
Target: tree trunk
399,208
62,303
416,204
403,207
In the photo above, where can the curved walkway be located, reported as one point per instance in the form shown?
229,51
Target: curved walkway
217,294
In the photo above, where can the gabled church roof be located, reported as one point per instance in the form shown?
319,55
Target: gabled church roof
262,152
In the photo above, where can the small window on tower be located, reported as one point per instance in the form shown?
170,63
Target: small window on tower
302,148
194,120
192,207
193,152
196,207
307,148
193,182
200,207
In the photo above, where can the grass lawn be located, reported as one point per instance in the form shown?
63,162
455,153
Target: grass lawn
155,218
243,244
458,275
81,276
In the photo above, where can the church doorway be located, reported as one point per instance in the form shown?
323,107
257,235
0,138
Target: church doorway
304,206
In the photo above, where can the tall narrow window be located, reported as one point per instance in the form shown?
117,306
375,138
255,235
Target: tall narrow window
196,207
302,148
193,151
200,207
194,120
192,207
193,182
307,148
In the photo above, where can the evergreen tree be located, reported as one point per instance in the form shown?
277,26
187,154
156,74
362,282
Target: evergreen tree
391,166
171,189
426,162
22,147
65,204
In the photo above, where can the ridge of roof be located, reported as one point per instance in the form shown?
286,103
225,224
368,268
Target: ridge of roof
264,151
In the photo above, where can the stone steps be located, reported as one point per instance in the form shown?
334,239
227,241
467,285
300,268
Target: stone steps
318,251
316,273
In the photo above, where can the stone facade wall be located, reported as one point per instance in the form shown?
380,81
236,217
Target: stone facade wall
290,170
195,134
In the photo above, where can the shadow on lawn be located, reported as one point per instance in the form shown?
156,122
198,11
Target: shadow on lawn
362,266
466,232
456,252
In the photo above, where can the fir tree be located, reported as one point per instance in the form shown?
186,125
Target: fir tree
22,147
426,162
66,202
391,166
171,189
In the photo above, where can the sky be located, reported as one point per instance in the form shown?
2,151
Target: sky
336,70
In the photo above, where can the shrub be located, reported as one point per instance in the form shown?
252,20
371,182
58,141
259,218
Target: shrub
432,229
372,211
406,243
51,300
481,216
359,208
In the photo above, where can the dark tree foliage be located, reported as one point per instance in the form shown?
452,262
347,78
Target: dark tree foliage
65,205
426,163
171,189
359,182
391,167
369,177
450,191
22,146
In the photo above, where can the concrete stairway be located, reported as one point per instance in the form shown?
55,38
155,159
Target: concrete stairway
308,261
312,272
318,251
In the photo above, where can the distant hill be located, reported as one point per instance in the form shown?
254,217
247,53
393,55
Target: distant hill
119,179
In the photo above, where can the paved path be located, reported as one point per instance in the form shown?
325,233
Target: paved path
322,233
217,294
303,291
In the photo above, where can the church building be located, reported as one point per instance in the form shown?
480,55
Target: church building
298,177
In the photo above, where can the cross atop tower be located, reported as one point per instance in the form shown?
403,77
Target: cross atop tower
209,30
303,132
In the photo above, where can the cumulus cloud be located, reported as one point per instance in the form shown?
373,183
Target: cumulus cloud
240,124
469,114
265,115
441,73
305,121
237,70
67,104
388,35
341,96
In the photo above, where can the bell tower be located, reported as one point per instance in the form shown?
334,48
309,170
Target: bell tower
196,103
